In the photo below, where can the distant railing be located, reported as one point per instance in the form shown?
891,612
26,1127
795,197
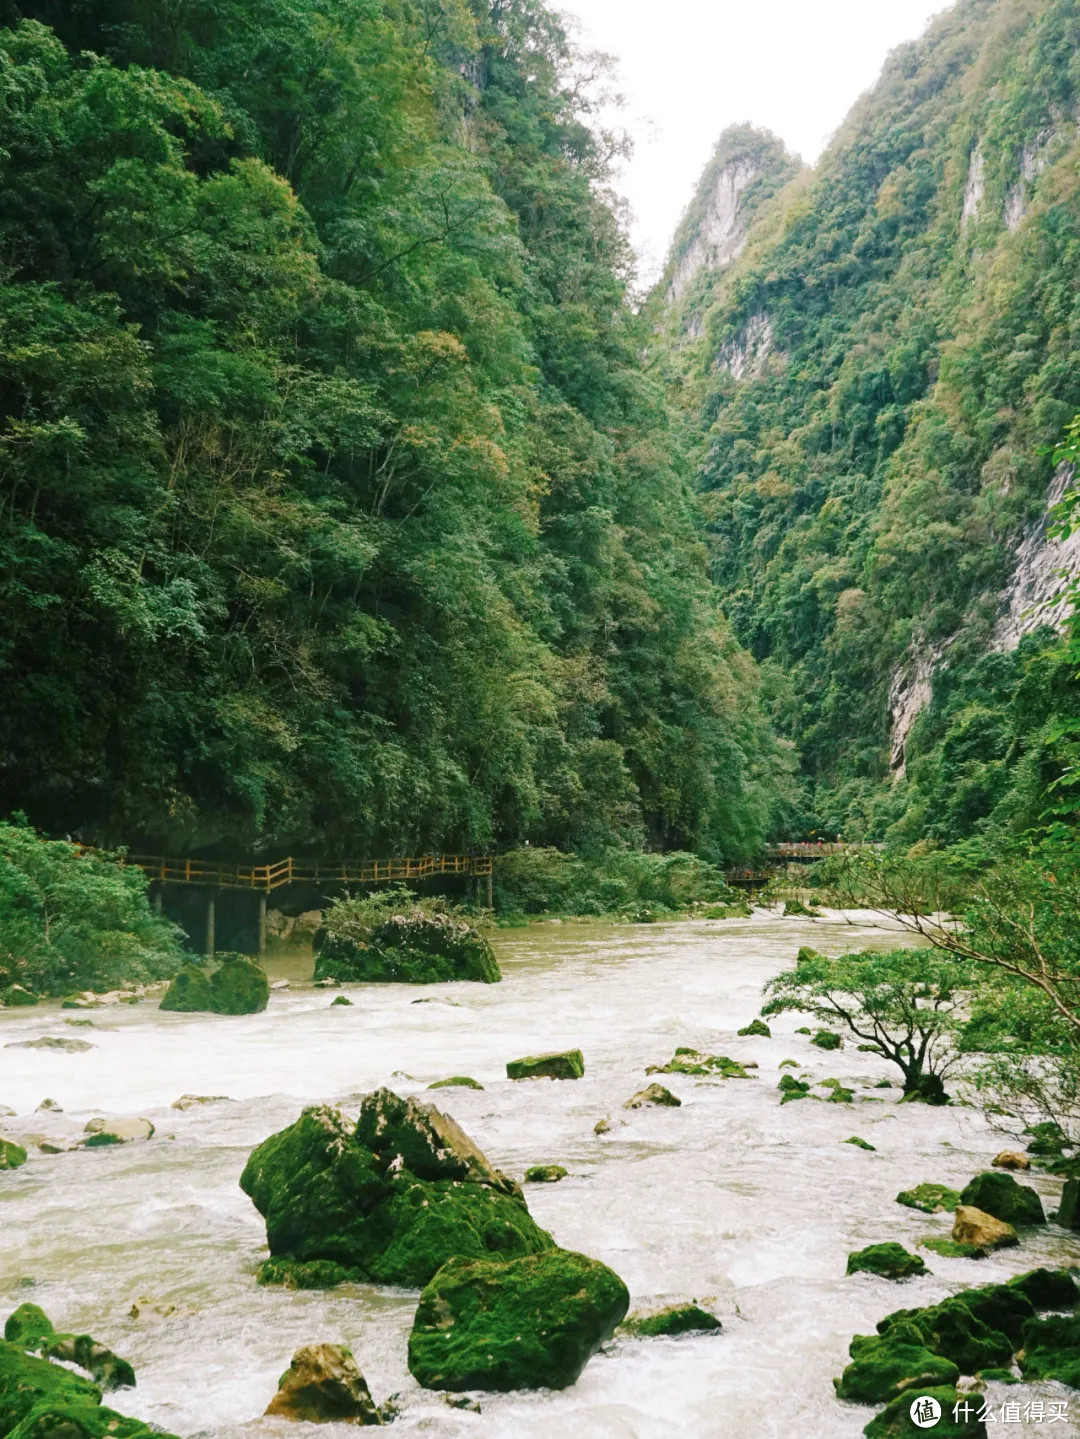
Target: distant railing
222,874
816,849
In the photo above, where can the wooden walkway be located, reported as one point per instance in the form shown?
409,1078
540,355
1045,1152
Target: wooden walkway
265,878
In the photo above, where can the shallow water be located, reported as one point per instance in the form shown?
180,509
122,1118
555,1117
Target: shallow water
733,1200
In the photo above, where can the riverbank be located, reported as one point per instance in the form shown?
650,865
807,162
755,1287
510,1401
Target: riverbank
744,1205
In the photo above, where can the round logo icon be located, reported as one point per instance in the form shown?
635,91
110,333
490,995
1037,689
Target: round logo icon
925,1412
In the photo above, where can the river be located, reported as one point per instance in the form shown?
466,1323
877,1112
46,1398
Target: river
731,1199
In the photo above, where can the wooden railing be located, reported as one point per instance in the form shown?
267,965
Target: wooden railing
810,849
220,874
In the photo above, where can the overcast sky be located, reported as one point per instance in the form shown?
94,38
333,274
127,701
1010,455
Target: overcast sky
689,68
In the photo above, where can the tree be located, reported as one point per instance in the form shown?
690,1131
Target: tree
906,1004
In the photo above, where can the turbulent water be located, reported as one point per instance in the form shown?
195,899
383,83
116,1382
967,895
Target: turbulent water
732,1199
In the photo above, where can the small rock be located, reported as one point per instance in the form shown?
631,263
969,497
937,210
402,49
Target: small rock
47,1145
653,1094
602,1126
52,1041
80,1023
668,1323
191,1101
150,1311
462,1401
950,1249
1011,1159
323,1385
568,1064
757,1027
545,1174
929,1198
859,1143
456,1081
888,1261
826,1039
101,1132
340,1001
788,1064
12,1155
982,1230
791,1088
50,1104
279,984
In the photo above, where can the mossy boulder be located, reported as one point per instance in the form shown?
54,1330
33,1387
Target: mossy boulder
653,1096
238,986
671,1322
30,1328
17,996
456,1081
390,1199
1048,1288
565,1064
975,1226
895,1421
1000,1195
791,1088
529,1323
340,1002
323,1385
930,1198
1051,1349
757,1027
951,1248
419,945
859,1143
827,1039
888,1261
953,1331
703,1066
12,1155
545,1174
883,1366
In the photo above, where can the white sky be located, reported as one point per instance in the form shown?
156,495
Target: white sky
689,68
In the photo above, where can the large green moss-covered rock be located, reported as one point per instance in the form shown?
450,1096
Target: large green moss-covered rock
238,986
1000,1195
930,1198
26,1380
30,1328
57,1419
999,1308
566,1064
954,1332
417,946
390,1199
883,1366
1051,1349
888,1261
896,1422
12,1155
528,1323
1048,1288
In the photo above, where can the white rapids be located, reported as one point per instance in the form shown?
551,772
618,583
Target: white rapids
732,1200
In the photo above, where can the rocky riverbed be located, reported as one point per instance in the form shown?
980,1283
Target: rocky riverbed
748,1206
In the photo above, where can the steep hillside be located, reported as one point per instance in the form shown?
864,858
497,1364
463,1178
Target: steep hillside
335,512
881,376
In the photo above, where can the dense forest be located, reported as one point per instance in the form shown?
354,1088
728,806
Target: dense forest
336,509
875,387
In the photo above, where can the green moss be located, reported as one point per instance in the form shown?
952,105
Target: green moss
545,1174
312,1274
1047,1138
840,1095
568,1064
930,1198
895,1422
16,996
456,1081
1048,1288
788,1064
883,1366
668,1323
26,1381
859,1143
51,1419
692,1061
791,1088
1000,1195
238,986
954,1332
1051,1349
757,1027
888,1261
529,1323
340,1000
28,1327
795,909
826,1039
12,1155
394,939
997,1376
951,1248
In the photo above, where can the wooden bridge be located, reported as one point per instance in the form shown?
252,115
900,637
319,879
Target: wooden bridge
218,874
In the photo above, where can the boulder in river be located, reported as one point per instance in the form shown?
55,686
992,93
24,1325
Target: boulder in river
694,1062
929,1198
951,1248
653,1095
954,1331
895,1421
1048,1288
101,1132
791,1088
53,1041
885,1365
888,1261
12,1155
238,986
323,1385
420,945
528,1323
1001,1196
17,996
756,1027
976,1227
1011,1159
827,1039
859,1143
390,1199
340,1001
194,1101
456,1081
564,1064
30,1328
545,1174
669,1323
1051,1349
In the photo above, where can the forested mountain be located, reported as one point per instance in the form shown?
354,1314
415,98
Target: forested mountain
337,510
876,375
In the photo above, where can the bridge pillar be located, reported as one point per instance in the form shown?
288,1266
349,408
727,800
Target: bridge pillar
158,888
262,921
490,895
211,897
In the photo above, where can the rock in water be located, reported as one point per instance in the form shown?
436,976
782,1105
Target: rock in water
895,1422
888,1261
692,1061
669,1323
982,1230
826,1039
529,1323
1001,1196
238,986
930,1198
1011,1159
456,1081
52,1041
192,1101
757,1027
568,1064
12,1155
545,1174
883,1366
1051,1349
101,1132
388,1200
30,1328
1048,1288
28,1383
322,1385
653,1094
414,947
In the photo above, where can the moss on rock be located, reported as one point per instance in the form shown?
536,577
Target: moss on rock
456,1081
26,1381
528,1323
791,1088
1048,1288
883,1366
669,1323
895,1422
422,943
951,1248
30,1328
323,1385
930,1198
12,1155
703,1066
1000,1195
17,996
758,1028
859,1143
653,1096
238,986
888,1261
565,1064
827,1039
390,1199
1051,1349
545,1174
